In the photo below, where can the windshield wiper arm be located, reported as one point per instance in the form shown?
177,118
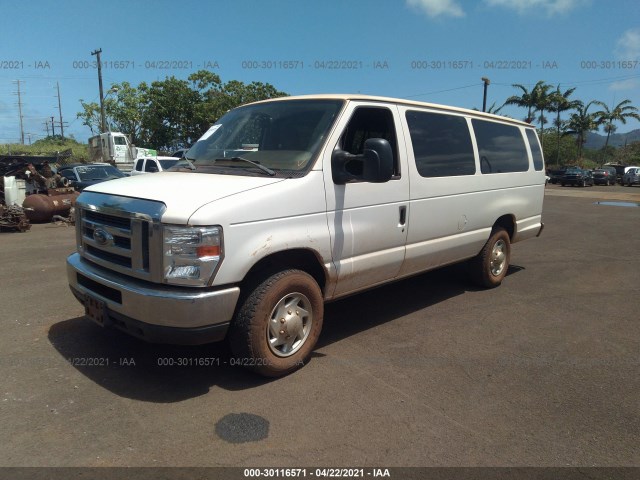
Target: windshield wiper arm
266,170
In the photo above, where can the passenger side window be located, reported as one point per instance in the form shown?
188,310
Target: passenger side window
366,123
536,153
441,144
501,147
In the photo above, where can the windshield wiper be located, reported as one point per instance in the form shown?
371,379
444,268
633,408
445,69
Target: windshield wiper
266,170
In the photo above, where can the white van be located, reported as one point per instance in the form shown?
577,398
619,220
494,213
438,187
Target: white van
285,204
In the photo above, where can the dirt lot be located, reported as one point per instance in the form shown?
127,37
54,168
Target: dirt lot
430,371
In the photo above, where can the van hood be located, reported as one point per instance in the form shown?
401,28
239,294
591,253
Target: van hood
182,193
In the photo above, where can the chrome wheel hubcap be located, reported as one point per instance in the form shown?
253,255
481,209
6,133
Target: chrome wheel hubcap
289,324
498,258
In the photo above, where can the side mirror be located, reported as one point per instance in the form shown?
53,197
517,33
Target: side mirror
374,165
153,169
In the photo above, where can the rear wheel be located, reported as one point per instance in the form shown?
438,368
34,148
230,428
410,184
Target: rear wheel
490,266
278,323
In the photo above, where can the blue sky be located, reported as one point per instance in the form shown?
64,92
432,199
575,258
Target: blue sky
401,48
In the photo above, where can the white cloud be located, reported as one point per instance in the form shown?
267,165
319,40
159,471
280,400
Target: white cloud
550,7
436,8
628,45
630,84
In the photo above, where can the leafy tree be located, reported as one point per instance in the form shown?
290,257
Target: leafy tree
560,102
528,99
542,100
580,123
172,112
123,106
619,113
564,151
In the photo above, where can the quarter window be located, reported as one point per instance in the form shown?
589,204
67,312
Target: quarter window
536,153
441,144
501,147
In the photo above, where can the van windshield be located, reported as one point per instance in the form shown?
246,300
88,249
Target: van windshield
284,136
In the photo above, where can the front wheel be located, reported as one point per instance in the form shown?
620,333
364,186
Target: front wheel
490,266
277,325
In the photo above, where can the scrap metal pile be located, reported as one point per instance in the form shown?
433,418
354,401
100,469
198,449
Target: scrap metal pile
48,195
13,217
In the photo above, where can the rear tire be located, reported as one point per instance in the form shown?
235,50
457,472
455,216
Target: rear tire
490,266
278,324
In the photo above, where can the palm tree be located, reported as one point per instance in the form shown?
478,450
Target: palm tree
542,100
559,102
619,113
581,123
526,100
491,109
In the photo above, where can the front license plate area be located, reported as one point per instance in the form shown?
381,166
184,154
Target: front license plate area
96,310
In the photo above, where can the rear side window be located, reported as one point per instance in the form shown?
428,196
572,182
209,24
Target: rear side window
536,153
501,147
139,165
441,144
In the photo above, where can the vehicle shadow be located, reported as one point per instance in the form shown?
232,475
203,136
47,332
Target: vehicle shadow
155,373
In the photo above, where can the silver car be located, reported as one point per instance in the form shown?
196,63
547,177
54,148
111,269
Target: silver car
631,177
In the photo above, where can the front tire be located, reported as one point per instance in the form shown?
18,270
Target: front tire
490,266
278,324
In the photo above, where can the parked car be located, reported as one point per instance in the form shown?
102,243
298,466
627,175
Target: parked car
153,164
631,177
556,175
605,176
83,175
577,176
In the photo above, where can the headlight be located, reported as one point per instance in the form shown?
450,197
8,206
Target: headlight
191,254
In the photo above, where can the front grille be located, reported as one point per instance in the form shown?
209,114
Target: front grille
125,239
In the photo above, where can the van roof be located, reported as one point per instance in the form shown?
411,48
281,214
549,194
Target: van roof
400,101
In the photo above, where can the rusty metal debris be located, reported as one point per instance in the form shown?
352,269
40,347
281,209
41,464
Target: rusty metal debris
13,217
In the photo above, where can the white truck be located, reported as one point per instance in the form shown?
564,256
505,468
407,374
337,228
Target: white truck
116,149
285,204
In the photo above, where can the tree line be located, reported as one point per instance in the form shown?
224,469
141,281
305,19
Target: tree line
544,98
174,113
171,113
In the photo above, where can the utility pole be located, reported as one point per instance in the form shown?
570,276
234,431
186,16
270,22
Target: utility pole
60,112
486,82
46,125
53,128
20,112
103,121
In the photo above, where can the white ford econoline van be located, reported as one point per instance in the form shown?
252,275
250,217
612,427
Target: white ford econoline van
287,203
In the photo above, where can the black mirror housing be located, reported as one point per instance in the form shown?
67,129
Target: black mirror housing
378,161
374,165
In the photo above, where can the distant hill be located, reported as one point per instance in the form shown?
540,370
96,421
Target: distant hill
595,140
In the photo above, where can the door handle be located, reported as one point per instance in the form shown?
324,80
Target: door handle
403,215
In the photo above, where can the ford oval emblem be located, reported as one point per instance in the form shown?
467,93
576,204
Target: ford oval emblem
102,237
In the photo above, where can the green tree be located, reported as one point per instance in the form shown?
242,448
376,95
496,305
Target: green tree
172,112
542,101
559,103
564,151
123,105
582,122
619,113
528,99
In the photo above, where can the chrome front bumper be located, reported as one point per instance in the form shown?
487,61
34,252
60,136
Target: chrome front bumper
157,313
